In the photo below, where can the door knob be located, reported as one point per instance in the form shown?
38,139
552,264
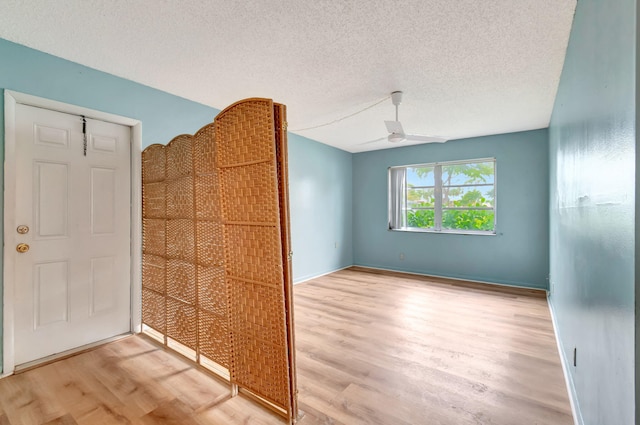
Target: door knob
22,248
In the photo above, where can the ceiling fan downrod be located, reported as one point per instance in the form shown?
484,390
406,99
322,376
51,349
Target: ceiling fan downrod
396,98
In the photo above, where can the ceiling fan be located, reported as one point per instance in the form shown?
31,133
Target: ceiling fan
396,132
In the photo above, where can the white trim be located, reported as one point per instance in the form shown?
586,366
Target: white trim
461,161
9,239
39,102
445,232
12,98
136,228
575,410
438,208
460,279
306,279
57,356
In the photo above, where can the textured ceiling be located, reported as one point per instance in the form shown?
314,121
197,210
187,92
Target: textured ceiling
467,68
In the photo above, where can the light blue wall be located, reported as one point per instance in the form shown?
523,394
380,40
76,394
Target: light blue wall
517,255
637,226
592,209
318,219
163,115
321,196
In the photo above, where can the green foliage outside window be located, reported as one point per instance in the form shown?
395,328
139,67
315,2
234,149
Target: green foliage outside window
468,219
458,203
424,219
452,219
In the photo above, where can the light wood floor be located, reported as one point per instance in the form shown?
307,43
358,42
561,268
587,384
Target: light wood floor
372,349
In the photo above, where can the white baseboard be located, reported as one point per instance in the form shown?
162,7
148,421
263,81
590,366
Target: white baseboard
306,279
460,279
575,410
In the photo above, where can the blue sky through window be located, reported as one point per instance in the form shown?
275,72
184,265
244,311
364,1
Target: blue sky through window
427,179
413,179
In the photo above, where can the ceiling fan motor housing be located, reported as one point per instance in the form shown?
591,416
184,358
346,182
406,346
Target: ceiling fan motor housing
395,137
396,98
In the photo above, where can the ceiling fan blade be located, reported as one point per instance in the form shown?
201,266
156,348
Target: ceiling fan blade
373,141
394,127
428,139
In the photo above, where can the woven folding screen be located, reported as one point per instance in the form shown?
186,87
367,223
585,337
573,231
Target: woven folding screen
216,266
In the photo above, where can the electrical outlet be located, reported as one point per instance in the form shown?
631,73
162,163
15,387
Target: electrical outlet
402,256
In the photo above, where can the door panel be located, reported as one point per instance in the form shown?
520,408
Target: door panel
103,201
50,136
73,286
103,272
103,143
51,199
51,292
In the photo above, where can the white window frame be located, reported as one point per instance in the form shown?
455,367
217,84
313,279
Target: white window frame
397,198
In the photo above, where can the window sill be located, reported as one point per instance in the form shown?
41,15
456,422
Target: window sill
447,232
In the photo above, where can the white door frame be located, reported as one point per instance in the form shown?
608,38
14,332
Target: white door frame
11,98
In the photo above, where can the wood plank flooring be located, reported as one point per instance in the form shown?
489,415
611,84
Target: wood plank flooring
372,348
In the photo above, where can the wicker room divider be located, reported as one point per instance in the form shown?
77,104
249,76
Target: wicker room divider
216,250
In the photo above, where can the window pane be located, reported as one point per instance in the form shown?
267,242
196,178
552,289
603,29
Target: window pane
468,219
420,198
420,176
474,196
465,200
473,173
423,219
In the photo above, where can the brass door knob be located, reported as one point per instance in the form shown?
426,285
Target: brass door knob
22,248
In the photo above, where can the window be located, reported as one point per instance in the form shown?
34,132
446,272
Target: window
454,197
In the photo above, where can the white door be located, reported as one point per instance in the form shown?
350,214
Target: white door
73,285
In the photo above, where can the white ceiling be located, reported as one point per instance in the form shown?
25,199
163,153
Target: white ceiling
467,67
